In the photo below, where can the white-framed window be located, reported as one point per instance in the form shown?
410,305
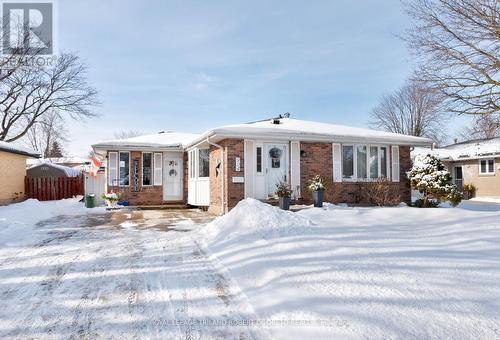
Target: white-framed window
157,168
364,162
124,168
192,162
147,168
203,163
348,161
258,163
487,166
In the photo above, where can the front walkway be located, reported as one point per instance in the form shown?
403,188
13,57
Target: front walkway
121,275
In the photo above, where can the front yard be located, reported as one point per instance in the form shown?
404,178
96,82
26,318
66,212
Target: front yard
256,273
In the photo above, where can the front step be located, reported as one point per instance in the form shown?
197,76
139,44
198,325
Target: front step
159,207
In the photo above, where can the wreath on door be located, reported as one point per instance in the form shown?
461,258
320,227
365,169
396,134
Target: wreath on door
275,154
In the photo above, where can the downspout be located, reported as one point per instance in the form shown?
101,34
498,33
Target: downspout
222,181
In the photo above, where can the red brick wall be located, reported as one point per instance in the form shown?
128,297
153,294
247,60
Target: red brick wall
147,195
215,178
316,158
233,192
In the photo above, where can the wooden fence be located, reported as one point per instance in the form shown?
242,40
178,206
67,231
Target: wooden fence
48,189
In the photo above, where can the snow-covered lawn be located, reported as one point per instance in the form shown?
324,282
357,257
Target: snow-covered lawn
256,273
367,272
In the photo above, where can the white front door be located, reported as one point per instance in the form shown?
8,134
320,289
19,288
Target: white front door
276,166
172,178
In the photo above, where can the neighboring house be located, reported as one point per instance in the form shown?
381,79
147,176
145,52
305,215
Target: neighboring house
472,162
224,165
13,171
46,170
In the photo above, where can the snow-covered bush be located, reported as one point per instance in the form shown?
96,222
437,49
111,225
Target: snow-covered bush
316,184
430,177
112,196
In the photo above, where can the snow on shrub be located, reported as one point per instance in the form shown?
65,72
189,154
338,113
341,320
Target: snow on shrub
430,177
261,220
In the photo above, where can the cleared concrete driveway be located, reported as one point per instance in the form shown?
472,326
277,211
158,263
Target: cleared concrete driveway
121,275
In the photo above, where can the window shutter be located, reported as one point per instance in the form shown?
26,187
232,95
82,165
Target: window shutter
158,165
248,166
113,168
395,163
295,168
337,162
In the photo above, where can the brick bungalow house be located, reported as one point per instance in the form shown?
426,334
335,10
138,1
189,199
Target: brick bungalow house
220,167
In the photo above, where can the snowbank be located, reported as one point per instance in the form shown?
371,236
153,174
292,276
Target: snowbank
369,272
252,218
18,221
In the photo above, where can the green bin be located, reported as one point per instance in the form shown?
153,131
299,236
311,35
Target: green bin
90,201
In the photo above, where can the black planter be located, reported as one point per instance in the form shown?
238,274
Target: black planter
318,198
285,203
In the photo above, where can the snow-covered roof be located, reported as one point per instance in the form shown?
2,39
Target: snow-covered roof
479,148
311,131
70,172
9,147
171,140
58,160
287,128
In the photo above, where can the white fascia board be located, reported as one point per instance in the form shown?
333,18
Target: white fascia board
321,138
124,147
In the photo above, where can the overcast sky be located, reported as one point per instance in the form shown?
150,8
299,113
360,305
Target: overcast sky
191,65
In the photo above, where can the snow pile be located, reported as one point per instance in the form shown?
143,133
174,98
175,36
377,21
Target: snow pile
254,219
18,221
9,147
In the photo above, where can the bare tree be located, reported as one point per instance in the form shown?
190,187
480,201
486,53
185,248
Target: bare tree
123,134
28,93
42,135
484,127
414,110
457,43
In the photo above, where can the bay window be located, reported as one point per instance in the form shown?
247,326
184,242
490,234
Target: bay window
364,162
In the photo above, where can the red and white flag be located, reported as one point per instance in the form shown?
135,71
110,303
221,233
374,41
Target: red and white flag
95,164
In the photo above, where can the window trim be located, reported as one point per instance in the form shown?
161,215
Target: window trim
118,169
154,168
142,169
355,178
487,173
192,163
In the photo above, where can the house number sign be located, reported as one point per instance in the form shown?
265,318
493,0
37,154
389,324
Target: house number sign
237,164
136,175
